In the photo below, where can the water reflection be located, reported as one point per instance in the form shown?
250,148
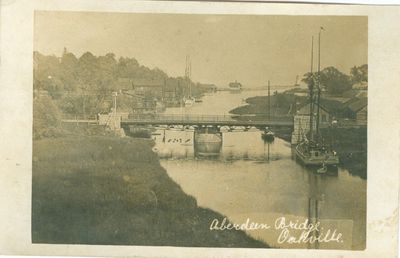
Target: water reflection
261,181
246,145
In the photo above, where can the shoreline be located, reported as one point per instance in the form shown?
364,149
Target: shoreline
350,143
119,194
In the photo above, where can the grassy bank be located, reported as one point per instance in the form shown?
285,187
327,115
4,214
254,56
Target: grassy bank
351,146
109,190
281,104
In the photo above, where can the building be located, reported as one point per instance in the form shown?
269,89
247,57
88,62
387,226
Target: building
360,85
301,121
147,95
324,114
357,109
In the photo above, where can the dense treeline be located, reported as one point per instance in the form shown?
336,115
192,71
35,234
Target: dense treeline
82,86
337,82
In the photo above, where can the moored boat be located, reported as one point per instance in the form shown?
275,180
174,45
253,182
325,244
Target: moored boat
312,150
268,135
314,155
189,102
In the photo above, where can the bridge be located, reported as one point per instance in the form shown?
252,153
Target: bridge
123,120
207,120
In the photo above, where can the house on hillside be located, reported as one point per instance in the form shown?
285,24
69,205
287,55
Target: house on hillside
360,85
146,95
140,86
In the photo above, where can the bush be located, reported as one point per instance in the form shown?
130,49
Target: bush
46,118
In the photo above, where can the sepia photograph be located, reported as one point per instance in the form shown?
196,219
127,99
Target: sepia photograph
200,130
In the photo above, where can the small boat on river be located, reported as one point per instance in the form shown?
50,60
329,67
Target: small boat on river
268,136
189,102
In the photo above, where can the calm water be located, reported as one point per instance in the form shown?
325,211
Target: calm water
261,181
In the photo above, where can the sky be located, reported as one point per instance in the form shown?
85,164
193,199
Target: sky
251,49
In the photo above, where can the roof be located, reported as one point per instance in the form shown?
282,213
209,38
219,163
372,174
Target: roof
307,111
360,85
357,104
135,82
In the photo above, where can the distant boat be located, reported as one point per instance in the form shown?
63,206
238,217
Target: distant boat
235,86
189,101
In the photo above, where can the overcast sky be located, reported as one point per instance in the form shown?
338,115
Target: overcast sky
223,48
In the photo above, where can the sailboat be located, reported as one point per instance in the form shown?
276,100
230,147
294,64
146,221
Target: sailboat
189,100
312,151
297,81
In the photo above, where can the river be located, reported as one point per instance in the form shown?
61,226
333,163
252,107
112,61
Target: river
261,182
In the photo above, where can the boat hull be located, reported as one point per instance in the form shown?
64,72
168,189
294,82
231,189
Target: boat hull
327,159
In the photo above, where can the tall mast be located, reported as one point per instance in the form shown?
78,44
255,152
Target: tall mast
319,78
311,88
190,75
269,102
188,72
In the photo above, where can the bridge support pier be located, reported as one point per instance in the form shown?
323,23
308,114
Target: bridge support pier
113,122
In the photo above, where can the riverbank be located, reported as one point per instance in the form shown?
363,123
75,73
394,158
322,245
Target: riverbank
281,104
108,190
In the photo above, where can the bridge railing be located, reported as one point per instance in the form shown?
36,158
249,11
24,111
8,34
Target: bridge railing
179,117
202,118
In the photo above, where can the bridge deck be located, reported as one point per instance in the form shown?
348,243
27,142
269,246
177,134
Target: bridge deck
205,120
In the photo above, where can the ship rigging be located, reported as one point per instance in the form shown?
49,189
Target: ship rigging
313,150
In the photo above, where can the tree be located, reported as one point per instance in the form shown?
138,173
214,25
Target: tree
69,67
334,81
359,74
46,118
